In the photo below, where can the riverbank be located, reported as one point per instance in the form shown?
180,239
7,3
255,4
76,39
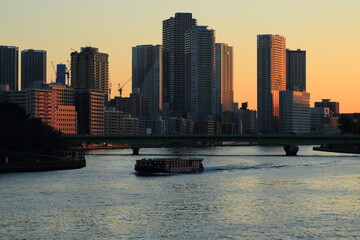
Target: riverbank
21,162
103,146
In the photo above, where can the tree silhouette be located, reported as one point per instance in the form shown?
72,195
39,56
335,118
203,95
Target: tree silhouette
22,134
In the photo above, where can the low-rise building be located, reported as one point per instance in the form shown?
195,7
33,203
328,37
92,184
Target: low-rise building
294,112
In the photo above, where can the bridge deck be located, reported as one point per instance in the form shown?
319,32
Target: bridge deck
262,139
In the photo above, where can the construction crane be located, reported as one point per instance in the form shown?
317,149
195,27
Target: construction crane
68,69
56,77
121,87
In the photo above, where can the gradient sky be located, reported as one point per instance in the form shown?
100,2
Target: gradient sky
327,29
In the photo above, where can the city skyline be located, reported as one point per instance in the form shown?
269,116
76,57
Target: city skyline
324,29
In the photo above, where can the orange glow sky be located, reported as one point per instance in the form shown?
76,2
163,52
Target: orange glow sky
327,29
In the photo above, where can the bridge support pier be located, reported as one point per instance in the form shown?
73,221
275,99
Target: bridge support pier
135,149
291,150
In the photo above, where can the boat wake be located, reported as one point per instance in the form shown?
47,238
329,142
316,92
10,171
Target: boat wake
234,167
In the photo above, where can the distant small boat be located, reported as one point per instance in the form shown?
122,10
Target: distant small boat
169,165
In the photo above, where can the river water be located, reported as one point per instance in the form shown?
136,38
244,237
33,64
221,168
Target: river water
244,193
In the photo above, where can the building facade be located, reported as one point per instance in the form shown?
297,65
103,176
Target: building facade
333,106
33,68
224,76
113,122
89,105
294,112
247,119
147,75
296,70
9,66
54,105
173,30
90,70
271,79
61,74
200,97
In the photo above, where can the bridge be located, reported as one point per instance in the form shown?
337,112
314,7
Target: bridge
290,142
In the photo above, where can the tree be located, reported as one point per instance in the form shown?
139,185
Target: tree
23,134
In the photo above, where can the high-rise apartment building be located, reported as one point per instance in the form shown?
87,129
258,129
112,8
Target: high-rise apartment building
173,31
33,68
294,112
200,97
271,79
296,70
9,66
147,75
224,76
90,70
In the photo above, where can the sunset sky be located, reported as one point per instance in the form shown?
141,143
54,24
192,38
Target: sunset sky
329,30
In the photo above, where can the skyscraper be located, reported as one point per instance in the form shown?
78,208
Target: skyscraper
9,70
200,97
296,70
224,76
271,79
147,75
61,74
174,30
33,68
90,70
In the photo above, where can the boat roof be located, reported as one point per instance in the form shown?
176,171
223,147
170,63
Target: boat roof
171,159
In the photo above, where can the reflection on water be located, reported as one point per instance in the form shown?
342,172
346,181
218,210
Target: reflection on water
244,193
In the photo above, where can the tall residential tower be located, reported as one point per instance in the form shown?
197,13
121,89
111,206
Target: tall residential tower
224,76
174,30
296,70
90,70
200,97
147,75
9,66
33,68
271,79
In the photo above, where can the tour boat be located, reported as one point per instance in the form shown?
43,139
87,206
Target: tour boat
169,165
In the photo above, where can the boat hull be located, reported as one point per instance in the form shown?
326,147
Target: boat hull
168,165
